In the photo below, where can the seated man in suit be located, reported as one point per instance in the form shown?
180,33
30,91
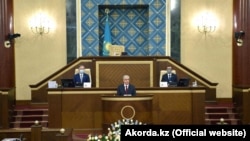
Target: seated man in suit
170,77
126,88
81,77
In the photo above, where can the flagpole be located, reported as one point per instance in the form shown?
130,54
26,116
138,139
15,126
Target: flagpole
107,36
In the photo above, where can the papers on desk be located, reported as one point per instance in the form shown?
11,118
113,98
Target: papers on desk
52,84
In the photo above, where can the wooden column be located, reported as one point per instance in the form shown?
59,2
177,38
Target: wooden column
36,134
7,100
241,98
4,102
7,61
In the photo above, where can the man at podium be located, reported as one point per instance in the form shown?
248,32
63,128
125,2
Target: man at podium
126,89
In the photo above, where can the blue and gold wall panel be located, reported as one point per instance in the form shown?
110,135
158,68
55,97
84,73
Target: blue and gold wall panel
139,25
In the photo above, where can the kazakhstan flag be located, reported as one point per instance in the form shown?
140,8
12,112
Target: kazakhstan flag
107,39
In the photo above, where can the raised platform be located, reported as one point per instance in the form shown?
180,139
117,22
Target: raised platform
172,105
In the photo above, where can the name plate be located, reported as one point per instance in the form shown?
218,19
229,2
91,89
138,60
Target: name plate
127,95
163,84
86,85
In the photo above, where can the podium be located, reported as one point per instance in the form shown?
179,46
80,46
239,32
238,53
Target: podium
126,107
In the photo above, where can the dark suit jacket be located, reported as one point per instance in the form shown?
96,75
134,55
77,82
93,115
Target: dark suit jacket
121,90
77,79
173,79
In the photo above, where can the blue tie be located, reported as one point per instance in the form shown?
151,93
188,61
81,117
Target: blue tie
81,76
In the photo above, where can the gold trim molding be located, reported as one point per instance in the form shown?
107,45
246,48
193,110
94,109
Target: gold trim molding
128,98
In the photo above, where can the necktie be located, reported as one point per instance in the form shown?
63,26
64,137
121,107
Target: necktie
126,88
81,77
169,76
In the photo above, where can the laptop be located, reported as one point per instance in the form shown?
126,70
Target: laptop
183,82
172,84
67,83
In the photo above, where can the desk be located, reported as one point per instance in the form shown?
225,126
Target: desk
82,107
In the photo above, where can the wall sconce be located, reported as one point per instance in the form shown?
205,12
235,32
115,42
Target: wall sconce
239,37
40,29
40,24
206,24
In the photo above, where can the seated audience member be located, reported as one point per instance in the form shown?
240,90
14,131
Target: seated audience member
126,88
81,77
170,77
